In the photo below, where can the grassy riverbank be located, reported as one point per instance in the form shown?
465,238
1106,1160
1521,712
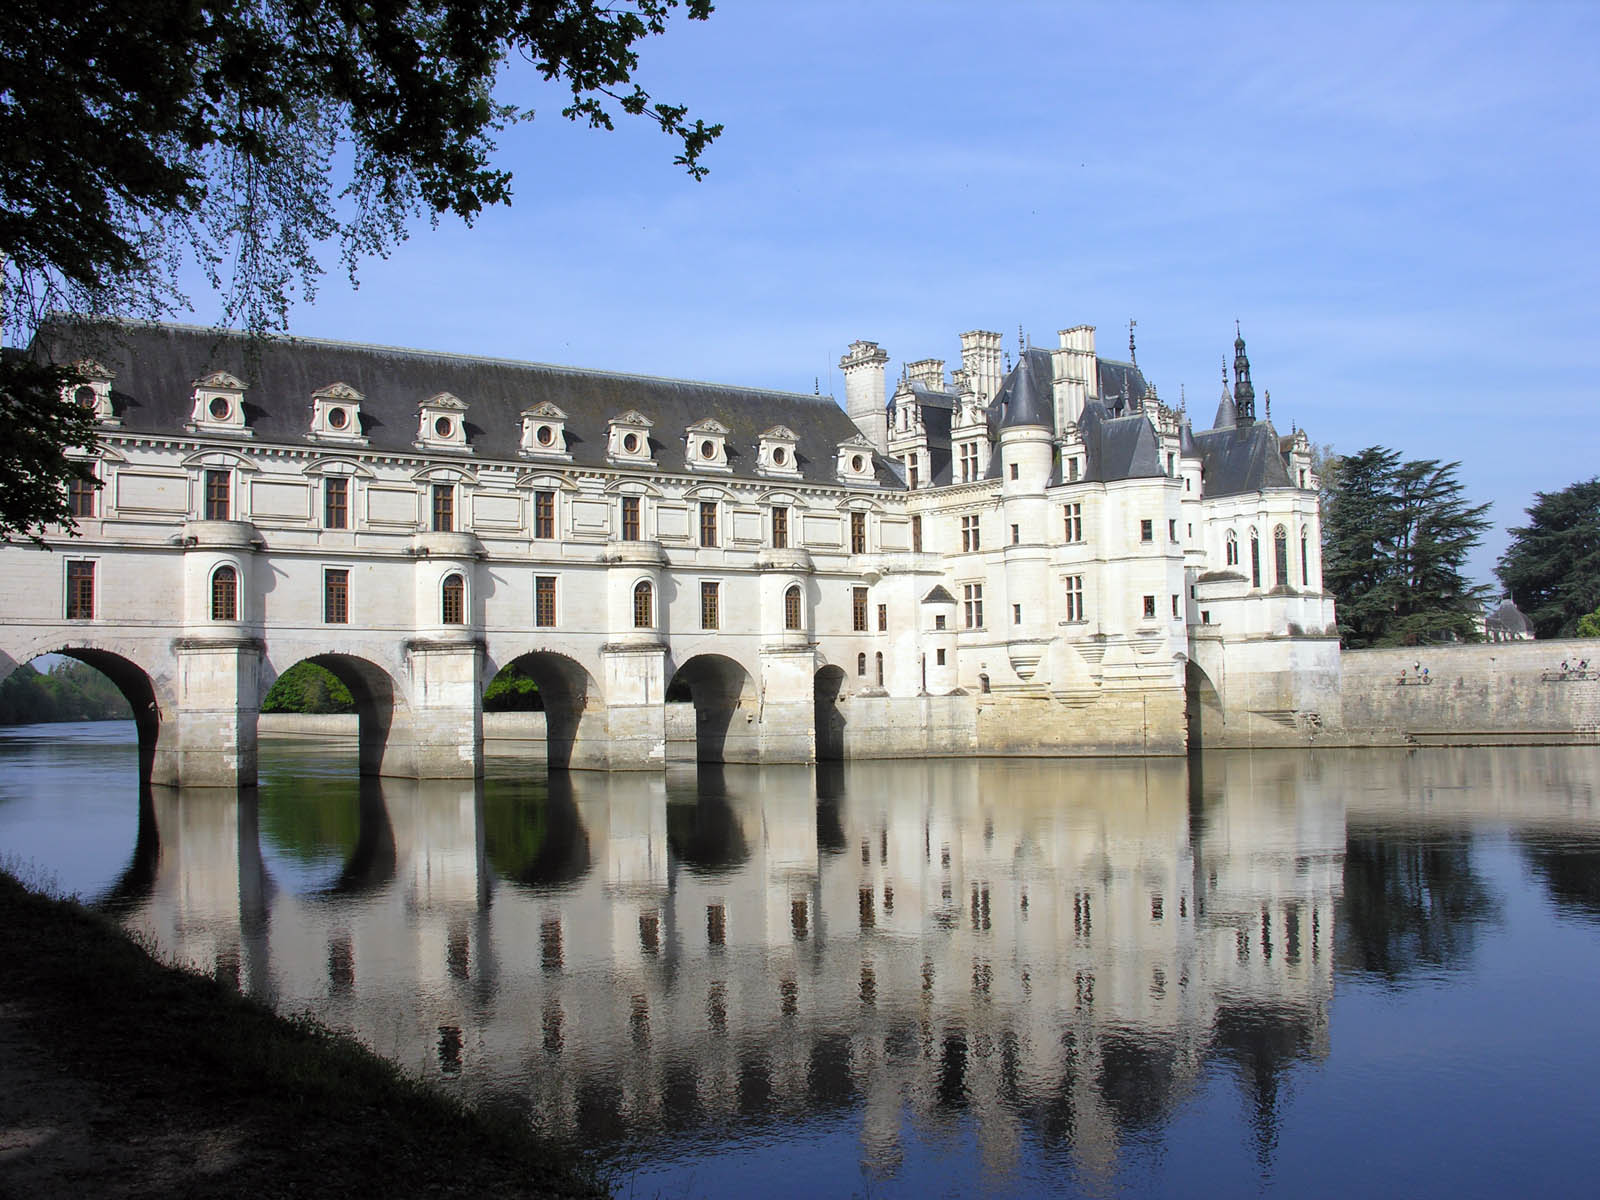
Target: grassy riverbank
123,1077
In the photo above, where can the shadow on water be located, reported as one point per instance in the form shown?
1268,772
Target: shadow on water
533,835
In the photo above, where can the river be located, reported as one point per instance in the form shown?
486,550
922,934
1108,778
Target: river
1300,974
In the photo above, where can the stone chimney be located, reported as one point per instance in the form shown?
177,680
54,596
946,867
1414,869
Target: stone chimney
929,372
1076,374
981,360
864,398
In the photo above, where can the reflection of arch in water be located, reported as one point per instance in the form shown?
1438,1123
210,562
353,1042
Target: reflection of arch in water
386,741
706,834
533,835
723,695
825,689
574,711
372,862
138,878
138,688
1202,708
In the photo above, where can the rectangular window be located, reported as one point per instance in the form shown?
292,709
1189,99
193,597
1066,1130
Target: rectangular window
970,539
217,495
858,609
911,472
708,606
1016,614
1016,535
1174,604
1075,598
1074,522
858,533
80,497
938,658
630,518
544,514
916,533
1172,530
1072,470
444,507
1149,607
972,605
708,523
80,591
938,621
1172,465
780,528
336,503
1013,470
544,601
1147,531
336,596
969,461
883,618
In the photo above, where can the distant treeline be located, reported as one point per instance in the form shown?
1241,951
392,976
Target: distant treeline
71,691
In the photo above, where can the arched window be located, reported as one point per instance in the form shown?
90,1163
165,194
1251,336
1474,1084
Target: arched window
224,594
861,665
1305,558
1280,556
644,604
1233,548
1255,560
791,607
880,668
453,601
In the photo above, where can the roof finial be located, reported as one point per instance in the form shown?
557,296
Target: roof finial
1266,397
1022,344
1183,400
816,385
1244,392
1133,355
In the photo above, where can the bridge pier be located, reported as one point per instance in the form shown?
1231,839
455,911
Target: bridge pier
210,741
445,713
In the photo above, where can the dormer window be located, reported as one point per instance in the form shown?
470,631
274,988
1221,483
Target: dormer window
94,392
706,445
776,455
629,441
336,414
441,423
218,405
544,431
855,463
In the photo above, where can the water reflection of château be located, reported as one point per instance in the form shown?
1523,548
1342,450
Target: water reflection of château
1049,951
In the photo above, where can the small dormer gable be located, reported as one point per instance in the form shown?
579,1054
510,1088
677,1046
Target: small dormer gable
544,432
93,390
706,446
336,414
777,454
855,461
629,440
442,424
218,405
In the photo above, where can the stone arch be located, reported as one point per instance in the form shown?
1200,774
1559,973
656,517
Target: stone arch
724,697
570,699
138,686
826,687
385,732
1202,707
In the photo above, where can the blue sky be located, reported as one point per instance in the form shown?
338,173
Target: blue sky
1398,203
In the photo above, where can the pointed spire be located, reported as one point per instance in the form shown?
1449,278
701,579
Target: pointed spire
1244,392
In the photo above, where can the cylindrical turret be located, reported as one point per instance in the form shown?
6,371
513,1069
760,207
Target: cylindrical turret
864,397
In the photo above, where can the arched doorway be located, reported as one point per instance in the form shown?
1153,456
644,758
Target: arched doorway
384,738
723,696
825,688
564,695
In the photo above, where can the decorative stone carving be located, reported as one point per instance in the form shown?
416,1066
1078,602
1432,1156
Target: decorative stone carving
218,405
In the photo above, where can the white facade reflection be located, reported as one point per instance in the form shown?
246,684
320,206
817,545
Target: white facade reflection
1049,952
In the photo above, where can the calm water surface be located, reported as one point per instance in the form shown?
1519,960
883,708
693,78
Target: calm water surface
1305,974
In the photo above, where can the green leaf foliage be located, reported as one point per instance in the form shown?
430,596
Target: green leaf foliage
308,688
254,138
1589,624
39,426
1395,540
512,691
1552,567
71,691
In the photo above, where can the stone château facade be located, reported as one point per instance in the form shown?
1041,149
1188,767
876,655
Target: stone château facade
1028,558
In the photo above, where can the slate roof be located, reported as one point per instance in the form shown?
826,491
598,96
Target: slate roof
155,366
1241,458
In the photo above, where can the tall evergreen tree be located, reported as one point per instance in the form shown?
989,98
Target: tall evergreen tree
1552,567
1395,540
